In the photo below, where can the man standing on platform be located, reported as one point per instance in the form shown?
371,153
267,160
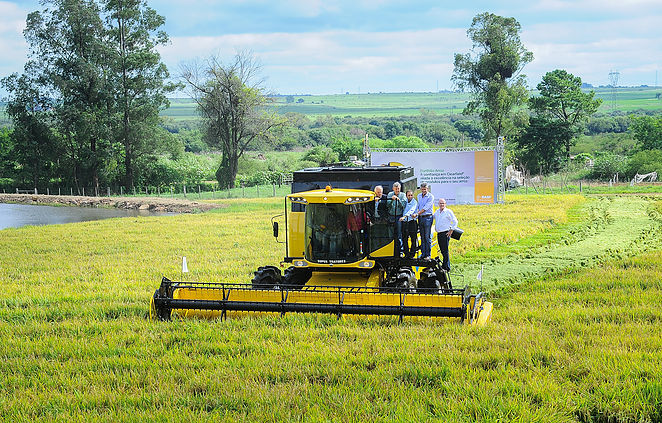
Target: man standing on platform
424,213
396,206
409,226
444,223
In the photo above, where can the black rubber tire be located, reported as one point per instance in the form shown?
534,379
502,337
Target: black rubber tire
406,279
435,279
429,279
296,276
266,277
402,280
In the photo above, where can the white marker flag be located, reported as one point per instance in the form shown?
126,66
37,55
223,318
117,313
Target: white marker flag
184,265
480,274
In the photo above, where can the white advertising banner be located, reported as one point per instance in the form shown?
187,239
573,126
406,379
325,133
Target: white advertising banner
461,177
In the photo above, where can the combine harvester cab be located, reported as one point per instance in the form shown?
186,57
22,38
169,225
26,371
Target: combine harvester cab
340,259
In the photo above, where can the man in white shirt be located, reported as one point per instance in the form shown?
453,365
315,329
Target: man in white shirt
444,223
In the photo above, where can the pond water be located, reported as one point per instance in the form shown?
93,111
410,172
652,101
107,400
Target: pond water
17,215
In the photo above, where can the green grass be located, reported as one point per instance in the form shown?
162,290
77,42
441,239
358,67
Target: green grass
588,188
628,99
572,345
411,104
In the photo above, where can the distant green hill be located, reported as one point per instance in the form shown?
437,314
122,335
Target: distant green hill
408,104
405,104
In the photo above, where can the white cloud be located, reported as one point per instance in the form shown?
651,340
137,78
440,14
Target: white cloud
13,48
327,61
598,6
591,50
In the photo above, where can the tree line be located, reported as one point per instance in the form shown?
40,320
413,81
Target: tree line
85,110
86,106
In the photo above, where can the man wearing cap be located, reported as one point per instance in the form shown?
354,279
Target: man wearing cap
444,223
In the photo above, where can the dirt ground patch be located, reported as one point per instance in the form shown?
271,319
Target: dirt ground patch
156,204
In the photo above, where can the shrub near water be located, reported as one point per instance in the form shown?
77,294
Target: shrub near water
76,345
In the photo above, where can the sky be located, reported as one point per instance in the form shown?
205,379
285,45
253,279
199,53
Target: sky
361,46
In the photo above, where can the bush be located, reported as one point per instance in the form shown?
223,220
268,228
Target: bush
346,148
322,155
400,142
190,169
606,165
645,162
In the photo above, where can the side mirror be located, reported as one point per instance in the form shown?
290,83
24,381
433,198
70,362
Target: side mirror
275,228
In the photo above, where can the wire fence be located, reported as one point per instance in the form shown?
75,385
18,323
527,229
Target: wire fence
583,187
180,191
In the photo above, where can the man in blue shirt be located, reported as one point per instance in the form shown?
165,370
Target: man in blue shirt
424,210
409,226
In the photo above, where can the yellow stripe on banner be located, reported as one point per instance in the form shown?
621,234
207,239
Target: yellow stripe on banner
484,177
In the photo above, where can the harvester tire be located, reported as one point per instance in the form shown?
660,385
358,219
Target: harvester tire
266,277
296,276
434,279
404,280
429,279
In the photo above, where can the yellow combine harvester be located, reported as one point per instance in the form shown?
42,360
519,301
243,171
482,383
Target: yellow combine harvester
341,261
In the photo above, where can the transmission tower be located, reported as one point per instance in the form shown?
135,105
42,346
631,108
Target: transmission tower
613,81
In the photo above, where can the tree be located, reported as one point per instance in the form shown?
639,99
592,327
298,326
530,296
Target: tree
492,72
138,78
648,132
68,63
562,99
536,151
231,101
32,142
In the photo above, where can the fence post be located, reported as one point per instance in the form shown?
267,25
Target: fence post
121,190
199,193
580,186
35,191
172,194
258,190
184,190
134,190
274,187
58,191
108,191
48,191
71,191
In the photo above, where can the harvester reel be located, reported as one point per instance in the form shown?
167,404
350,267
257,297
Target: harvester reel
296,276
266,277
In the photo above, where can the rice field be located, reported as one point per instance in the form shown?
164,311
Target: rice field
570,342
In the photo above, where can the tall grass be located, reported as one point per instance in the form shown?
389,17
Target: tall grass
583,346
